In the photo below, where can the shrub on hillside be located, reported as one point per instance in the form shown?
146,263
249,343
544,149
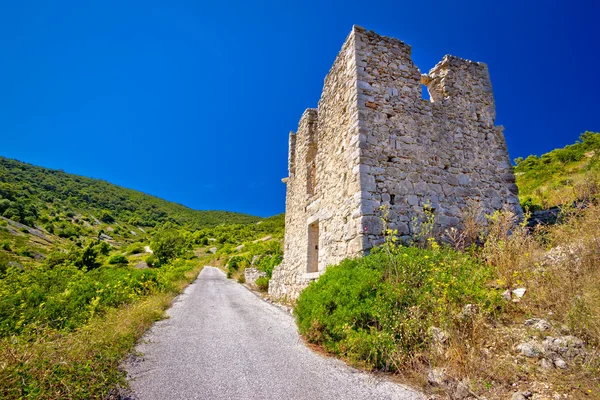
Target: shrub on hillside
135,248
378,310
167,245
118,259
237,263
151,260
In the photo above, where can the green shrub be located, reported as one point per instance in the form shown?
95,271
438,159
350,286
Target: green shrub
167,245
5,245
377,310
25,252
107,218
65,297
242,278
262,283
151,260
135,248
104,248
237,263
118,259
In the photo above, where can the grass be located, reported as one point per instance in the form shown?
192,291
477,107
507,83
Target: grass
85,362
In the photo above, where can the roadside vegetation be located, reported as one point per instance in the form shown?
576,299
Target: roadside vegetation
235,248
86,267
492,310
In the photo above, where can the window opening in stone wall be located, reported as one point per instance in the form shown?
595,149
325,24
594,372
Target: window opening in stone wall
313,248
425,93
392,199
312,178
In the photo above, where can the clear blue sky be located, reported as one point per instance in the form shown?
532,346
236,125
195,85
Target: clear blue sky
192,101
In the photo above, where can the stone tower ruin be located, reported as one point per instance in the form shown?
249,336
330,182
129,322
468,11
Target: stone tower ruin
373,141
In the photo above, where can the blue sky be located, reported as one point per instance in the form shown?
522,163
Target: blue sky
192,101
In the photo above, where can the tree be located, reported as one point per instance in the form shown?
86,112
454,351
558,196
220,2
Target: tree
88,257
167,245
107,218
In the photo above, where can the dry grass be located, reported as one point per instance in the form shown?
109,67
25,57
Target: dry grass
560,268
83,364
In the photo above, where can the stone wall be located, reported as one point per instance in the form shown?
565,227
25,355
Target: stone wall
374,141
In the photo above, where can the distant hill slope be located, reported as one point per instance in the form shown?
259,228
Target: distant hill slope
560,176
29,194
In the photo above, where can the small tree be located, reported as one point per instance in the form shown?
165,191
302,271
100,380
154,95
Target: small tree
107,218
167,245
88,257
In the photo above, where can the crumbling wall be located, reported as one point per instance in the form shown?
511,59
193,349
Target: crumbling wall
438,154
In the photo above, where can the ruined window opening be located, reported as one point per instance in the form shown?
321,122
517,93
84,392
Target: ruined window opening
446,167
392,199
312,178
313,248
390,159
425,93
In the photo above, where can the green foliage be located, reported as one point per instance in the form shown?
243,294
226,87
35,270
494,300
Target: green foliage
359,310
106,217
104,248
24,189
135,248
553,178
118,259
151,260
88,257
262,283
65,297
237,263
237,233
168,245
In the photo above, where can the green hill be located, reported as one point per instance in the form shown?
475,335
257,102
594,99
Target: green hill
31,194
560,176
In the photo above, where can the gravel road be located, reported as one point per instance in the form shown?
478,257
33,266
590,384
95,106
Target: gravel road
223,342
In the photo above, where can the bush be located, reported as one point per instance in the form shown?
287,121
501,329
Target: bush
262,283
107,218
242,278
151,260
377,310
118,259
167,245
135,248
237,263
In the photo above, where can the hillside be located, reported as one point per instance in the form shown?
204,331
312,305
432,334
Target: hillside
31,194
86,267
560,176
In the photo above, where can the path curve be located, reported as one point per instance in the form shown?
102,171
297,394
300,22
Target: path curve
223,342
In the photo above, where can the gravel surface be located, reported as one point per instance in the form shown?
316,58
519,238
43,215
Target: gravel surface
223,342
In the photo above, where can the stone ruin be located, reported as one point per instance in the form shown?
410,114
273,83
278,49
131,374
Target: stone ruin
374,141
